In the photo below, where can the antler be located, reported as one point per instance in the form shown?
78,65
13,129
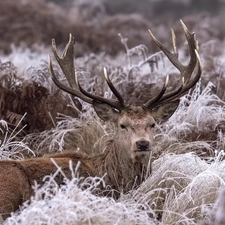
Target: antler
66,63
185,71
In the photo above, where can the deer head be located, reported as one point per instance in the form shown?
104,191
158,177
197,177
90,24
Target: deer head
135,123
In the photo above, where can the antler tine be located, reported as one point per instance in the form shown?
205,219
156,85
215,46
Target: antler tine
193,45
171,56
115,104
66,62
71,91
197,77
174,42
159,96
113,89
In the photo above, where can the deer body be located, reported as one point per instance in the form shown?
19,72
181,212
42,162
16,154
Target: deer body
125,156
18,177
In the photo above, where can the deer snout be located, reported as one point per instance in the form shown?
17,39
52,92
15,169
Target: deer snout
142,145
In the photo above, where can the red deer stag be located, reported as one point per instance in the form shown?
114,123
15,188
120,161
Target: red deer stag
124,158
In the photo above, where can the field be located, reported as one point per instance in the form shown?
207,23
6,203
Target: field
187,184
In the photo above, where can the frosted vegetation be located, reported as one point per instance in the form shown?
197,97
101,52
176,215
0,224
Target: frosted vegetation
188,178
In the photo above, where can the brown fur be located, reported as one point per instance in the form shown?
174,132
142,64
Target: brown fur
17,177
121,162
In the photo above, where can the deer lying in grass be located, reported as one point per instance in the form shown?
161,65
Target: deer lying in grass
125,155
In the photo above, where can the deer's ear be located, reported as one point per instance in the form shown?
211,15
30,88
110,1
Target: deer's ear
164,112
105,112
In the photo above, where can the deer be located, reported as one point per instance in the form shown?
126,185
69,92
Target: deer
124,159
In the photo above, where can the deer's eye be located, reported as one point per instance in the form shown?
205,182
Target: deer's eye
151,125
122,126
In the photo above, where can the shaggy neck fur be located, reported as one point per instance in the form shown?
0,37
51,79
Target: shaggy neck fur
122,173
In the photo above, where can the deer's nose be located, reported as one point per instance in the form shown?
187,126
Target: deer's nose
142,145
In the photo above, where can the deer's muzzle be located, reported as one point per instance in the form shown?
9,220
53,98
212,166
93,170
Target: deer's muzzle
142,145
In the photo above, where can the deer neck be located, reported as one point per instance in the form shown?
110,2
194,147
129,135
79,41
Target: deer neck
122,172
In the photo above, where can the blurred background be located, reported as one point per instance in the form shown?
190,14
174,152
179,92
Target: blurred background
96,23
